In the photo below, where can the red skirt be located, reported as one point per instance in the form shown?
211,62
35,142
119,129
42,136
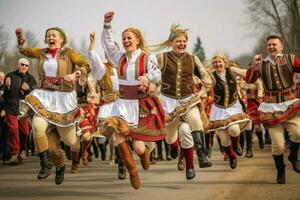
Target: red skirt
151,120
252,111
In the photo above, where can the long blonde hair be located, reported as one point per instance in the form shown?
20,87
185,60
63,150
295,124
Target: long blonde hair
175,31
143,45
220,56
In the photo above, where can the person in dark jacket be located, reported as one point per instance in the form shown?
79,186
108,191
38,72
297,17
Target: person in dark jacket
3,126
18,84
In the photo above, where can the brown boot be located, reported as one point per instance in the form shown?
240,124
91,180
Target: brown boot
75,162
145,158
127,158
84,151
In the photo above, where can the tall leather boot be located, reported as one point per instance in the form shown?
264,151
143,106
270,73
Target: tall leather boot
75,162
145,158
127,158
236,145
198,137
121,166
260,140
231,155
58,162
45,164
181,160
242,139
159,151
280,166
293,157
249,153
84,151
189,159
174,149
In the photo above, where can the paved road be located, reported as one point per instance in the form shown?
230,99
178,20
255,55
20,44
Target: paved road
253,179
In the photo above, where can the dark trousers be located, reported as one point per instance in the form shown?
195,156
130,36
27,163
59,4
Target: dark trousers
4,138
18,131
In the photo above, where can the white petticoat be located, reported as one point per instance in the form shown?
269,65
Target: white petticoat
126,109
217,113
55,101
273,107
169,104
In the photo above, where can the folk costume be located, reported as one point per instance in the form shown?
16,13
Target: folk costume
227,117
134,114
280,108
54,104
183,106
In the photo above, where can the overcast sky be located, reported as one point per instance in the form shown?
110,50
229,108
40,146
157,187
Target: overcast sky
219,23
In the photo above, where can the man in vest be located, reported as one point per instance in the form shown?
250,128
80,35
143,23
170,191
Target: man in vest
280,107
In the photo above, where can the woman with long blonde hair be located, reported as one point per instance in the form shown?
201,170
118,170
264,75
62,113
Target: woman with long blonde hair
136,114
181,103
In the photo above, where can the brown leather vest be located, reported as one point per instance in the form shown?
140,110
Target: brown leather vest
225,93
177,75
278,76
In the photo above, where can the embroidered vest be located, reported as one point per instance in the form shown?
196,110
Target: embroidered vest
225,93
177,75
277,76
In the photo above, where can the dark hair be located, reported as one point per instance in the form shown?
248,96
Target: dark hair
274,37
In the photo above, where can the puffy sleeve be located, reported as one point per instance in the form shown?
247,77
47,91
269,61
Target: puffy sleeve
153,70
80,61
205,77
108,43
29,52
97,66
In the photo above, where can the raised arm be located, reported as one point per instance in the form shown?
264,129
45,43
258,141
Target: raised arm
108,43
29,52
96,64
253,72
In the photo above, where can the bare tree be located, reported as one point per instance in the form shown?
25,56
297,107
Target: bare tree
4,40
281,17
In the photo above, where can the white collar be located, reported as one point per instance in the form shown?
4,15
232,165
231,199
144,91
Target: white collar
135,54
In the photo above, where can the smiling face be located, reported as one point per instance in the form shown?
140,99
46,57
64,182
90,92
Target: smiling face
274,47
130,41
179,44
219,65
54,40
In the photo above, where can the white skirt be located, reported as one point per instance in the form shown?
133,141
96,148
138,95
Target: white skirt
126,109
55,101
275,107
217,113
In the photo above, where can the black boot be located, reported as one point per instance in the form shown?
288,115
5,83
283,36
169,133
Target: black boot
232,158
280,166
59,174
249,153
242,139
260,140
45,164
293,157
198,138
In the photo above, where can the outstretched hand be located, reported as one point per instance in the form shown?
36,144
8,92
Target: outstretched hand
20,35
108,17
92,41
257,60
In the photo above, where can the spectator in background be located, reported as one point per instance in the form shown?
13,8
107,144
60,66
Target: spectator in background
3,125
18,84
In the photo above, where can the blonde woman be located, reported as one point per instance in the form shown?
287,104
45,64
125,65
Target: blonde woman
180,102
227,115
136,114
